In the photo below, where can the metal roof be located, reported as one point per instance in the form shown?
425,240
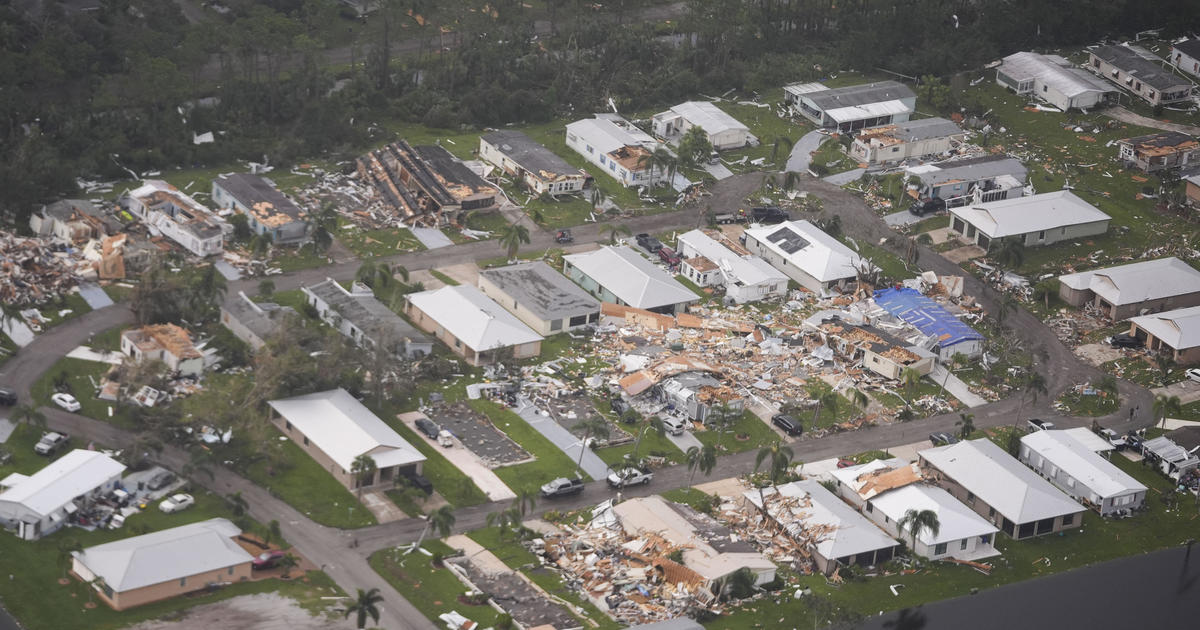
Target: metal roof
848,531
927,316
856,95
607,135
74,474
707,116
914,130
1166,448
744,270
1135,64
1022,215
955,520
165,556
344,428
678,623
1054,71
970,170
634,280
472,317
1138,282
867,110
1000,481
807,247
1179,328
528,154
250,189
261,318
1190,48
1087,468
545,292
378,322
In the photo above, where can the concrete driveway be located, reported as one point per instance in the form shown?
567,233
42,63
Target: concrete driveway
465,460
897,219
1187,390
802,151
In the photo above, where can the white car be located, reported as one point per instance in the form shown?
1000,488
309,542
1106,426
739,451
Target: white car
1193,374
66,401
176,503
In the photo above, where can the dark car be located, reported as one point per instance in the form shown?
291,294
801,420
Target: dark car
1125,340
7,396
942,438
668,255
790,425
649,243
618,405
564,236
428,427
769,214
422,483
267,559
160,480
922,207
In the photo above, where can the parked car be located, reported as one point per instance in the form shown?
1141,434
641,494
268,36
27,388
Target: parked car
619,406
1125,340
267,559
445,438
160,480
941,438
629,477
422,483
1116,439
562,487
674,425
846,463
649,243
769,214
727,218
7,396
50,443
428,427
1133,441
1193,374
176,503
66,401
790,425
564,236
922,207
668,255
1036,424
5,456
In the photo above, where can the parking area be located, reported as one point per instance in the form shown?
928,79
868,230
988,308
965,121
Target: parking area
465,460
476,432
528,606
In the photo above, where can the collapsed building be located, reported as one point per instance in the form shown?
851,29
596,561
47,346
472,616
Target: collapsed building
683,384
34,272
73,221
425,185
167,211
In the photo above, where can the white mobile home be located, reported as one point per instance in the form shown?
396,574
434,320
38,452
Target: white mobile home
723,131
711,259
1080,472
807,255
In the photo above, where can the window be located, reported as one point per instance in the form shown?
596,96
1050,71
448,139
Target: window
1045,88
1068,519
556,324
1042,235
183,581
971,498
288,425
962,545
1070,482
991,512
939,549
306,440
230,570
590,150
870,506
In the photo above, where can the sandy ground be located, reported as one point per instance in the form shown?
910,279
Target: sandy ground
963,254
266,611
1098,353
466,273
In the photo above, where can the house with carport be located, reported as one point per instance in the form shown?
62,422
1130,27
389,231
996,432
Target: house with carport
1139,288
710,258
369,323
1037,220
471,324
722,130
542,172
910,139
1175,332
1080,472
37,505
1055,80
619,275
814,259
334,429
617,147
1001,489
848,109
970,180
542,298
1139,72
169,563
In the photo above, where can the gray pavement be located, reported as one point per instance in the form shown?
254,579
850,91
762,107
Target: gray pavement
1187,390
904,217
685,441
563,439
431,238
955,386
801,155
841,179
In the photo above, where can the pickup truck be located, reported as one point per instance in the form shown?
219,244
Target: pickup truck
649,243
562,487
629,477
50,443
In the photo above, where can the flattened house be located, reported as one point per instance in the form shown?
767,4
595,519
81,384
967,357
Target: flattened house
425,185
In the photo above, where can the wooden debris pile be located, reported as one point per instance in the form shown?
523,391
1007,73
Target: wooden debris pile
34,272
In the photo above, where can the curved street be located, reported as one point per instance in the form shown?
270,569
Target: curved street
343,554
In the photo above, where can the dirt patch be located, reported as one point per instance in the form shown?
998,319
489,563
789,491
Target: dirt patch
961,255
1098,353
266,611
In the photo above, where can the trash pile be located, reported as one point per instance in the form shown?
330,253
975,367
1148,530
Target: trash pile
34,272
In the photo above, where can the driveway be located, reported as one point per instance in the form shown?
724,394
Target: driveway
802,151
685,441
465,460
841,179
563,439
1187,390
1126,116
897,219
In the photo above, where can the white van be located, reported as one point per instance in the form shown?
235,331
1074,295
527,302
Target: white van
674,426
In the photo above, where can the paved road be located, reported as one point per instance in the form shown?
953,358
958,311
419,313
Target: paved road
1126,116
801,155
1156,590
841,179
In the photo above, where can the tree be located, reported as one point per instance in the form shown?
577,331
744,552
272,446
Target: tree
237,503
613,230
512,236
66,549
912,381
934,92
781,150
780,456
363,470
273,531
206,293
1165,363
1108,385
594,425
662,161
918,521
1007,304
653,424
701,458
826,399
966,426
1009,252
1033,385
858,398
441,521
366,604
287,563
241,227
324,223
266,288
737,585
694,148
30,416
1045,289
1165,406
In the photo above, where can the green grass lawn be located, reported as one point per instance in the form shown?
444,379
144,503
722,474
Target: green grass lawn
308,487
40,602
109,340
431,589
705,296
296,258
653,444
446,280
1077,404
22,457
450,482
833,158
378,242
691,497
81,378
550,461
756,433
563,211
7,348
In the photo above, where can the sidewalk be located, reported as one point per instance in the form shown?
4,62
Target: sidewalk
563,439
464,460
955,387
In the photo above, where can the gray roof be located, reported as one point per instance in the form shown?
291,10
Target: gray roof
545,292
864,94
367,313
1190,48
262,318
165,556
1000,481
678,623
251,189
846,531
1139,281
914,130
1147,71
1054,71
530,155
973,170
633,279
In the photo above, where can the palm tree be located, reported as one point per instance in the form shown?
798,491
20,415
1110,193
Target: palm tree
1164,406
826,399
613,230
858,398
512,237
918,521
1006,305
524,503
653,424
966,425
237,503
323,222
1165,363
661,160
287,563
594,425
780,456
780,158
366,605
702,458
912,381
363,470
66,547
440,521
1034,384
597,197
29,415
1009,253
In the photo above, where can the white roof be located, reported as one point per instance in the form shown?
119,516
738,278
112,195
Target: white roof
1093,442
955,520
813,251
867,110
804,88
848,531
1179,328
711,118
746,270
1052,70
473,318
1074,458
165,556
633,279
1023,215
344,429
1000,481
609,133
76,473
1139,281
855,477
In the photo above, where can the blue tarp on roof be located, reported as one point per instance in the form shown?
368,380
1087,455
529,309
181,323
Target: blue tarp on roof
927,316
